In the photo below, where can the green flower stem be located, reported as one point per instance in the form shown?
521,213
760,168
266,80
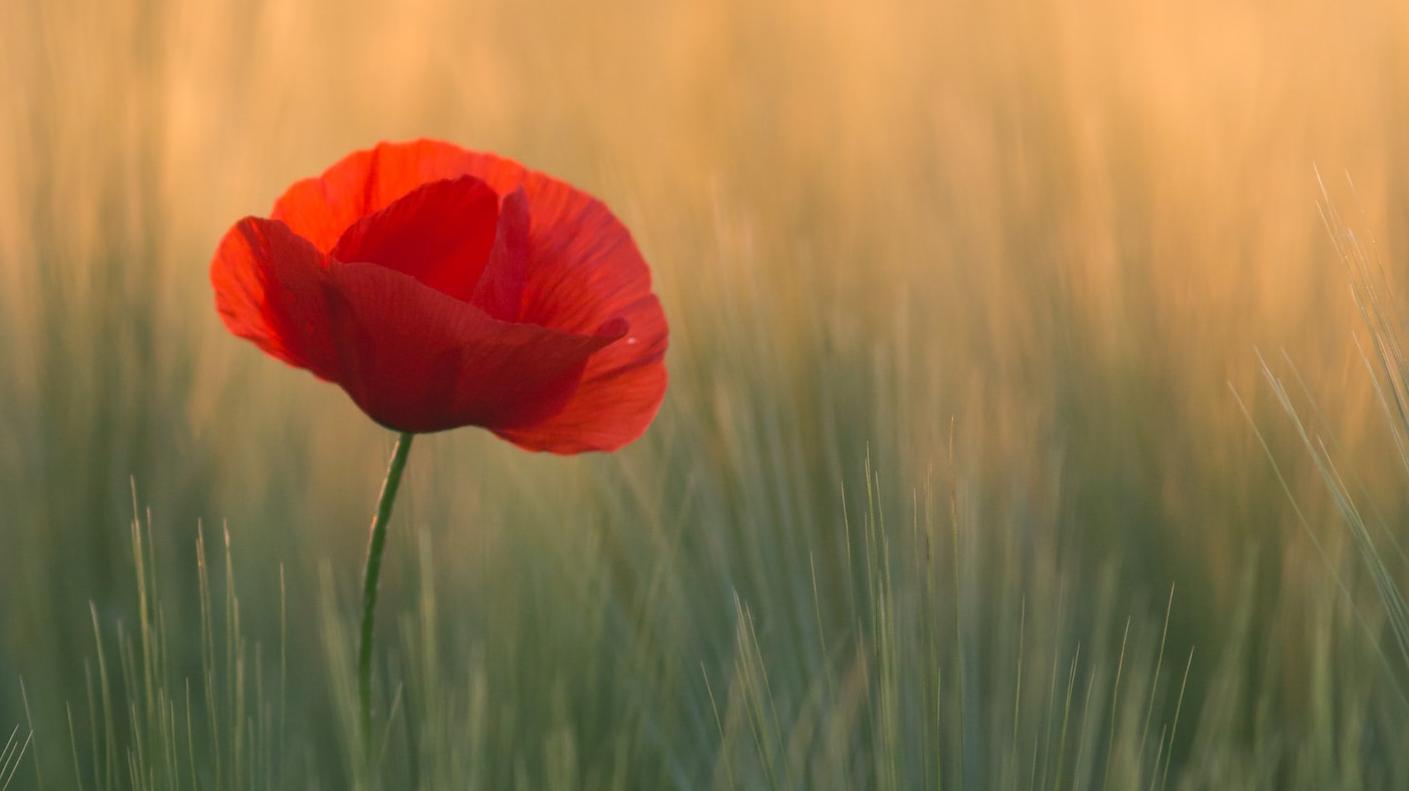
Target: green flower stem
375,545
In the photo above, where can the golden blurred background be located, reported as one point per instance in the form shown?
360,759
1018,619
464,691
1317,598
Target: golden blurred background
1015,260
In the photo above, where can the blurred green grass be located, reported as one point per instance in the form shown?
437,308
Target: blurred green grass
957,291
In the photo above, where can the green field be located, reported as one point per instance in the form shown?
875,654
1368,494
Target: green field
1037,409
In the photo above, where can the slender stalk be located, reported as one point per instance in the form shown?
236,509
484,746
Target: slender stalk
375,544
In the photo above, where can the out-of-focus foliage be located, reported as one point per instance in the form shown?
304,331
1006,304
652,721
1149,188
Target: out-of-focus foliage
967,301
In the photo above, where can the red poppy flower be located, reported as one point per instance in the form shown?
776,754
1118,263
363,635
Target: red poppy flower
442,287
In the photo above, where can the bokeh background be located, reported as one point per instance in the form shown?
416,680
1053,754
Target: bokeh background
973,472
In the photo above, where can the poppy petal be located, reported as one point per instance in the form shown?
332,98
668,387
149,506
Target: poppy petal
621,390
440,233
452,365
586,270
321,208
269,289
500,289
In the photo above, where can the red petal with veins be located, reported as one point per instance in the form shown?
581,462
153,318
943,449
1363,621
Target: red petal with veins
453,365
500,289
440,233
270,289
